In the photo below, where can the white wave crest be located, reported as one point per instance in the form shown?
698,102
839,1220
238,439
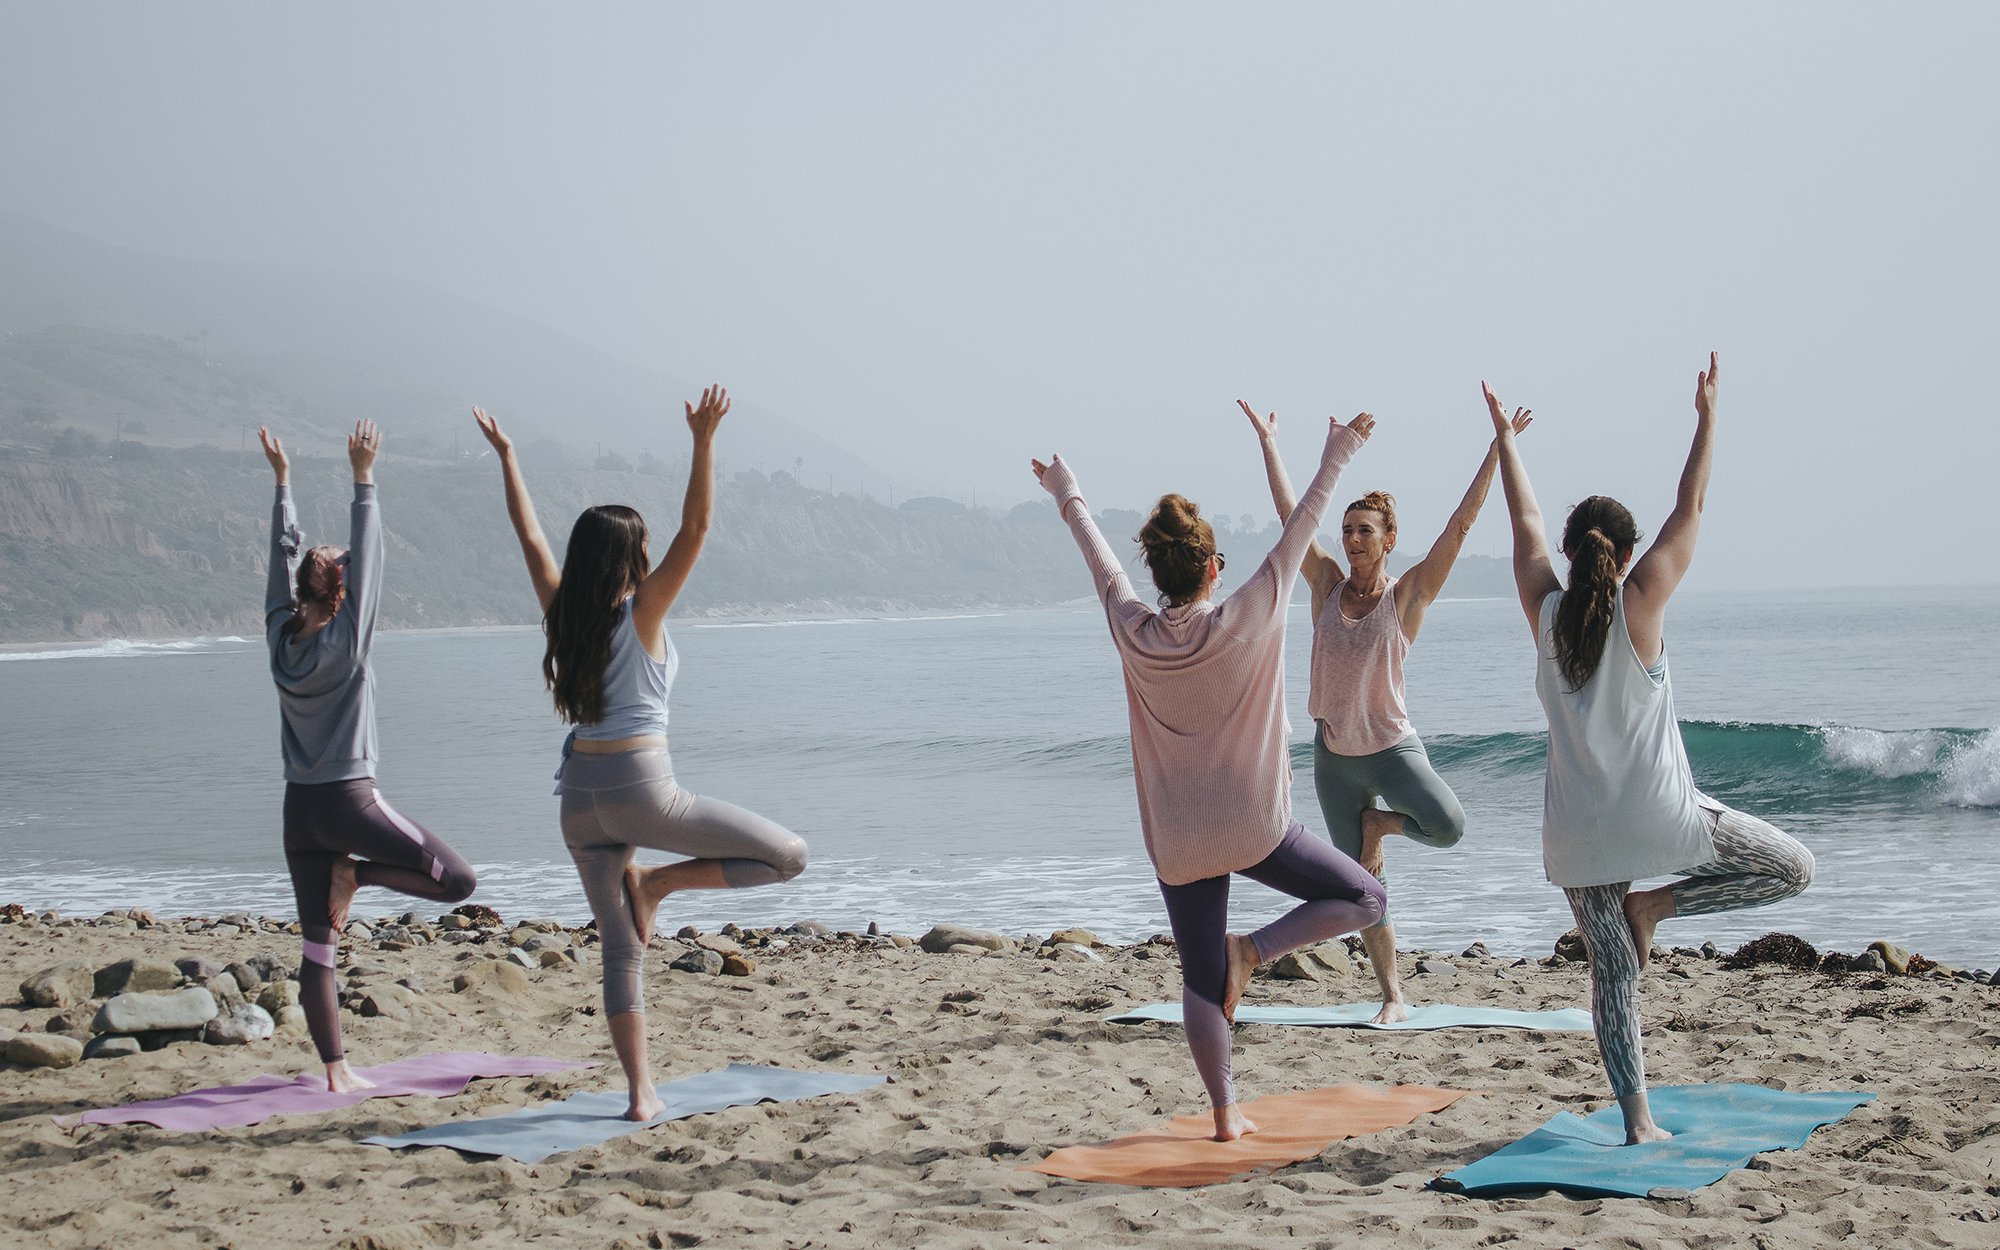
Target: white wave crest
120,649
1894,753
1972,775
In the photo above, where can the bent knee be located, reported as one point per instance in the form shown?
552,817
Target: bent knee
1799,873
790,859
458,885
1375,899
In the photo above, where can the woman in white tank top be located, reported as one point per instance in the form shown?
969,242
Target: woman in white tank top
1619,803
1365,751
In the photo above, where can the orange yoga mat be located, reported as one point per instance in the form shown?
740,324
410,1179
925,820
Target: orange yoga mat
1290,1127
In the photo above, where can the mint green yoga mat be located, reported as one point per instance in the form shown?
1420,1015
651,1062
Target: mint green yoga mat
1356,1016
1716,1129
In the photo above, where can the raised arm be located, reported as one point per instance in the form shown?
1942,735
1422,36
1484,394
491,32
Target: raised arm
1655,575
1426,578
284,562
543,568
1269,589
1114,587
1322,570
1534,573
364,537
657,593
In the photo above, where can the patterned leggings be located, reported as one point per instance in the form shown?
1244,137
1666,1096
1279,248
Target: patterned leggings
1754,864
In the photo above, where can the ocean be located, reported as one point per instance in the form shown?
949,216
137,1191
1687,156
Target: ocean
975,768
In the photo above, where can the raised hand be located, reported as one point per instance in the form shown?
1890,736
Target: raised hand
274,451
362,447
703,419
1363,424
1042,470
491,429
1266,427
1502,423
1704,390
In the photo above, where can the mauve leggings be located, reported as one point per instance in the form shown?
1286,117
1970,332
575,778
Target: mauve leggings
335,820
1339,898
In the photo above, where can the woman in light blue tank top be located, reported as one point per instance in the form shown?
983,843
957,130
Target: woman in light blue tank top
610,665
1620,803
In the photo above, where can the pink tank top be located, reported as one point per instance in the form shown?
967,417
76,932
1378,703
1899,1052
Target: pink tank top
1357,677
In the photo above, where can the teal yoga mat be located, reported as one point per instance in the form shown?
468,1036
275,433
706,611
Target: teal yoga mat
1355,1016
1716,1129
532,1134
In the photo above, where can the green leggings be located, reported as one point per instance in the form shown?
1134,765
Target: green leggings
1402,776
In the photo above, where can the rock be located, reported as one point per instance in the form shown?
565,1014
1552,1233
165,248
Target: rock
1332,957
240,1027
943,937
874,930
135,976
454,922
1867,961
902,941
197,969
147,1013
68,982
228,994
291,1019
1077,937
394,1001
40,1050
1571,947
522,935
494,976
1436,968
737,966
247,978
1996,977
1710,950
699,960
76,1020
163,1038
110,1046
966,948
552,958
809,928
1476,951
545,942
1895,958
1294,967
522,958
268,969
687,933
276,997
1075,952
719,944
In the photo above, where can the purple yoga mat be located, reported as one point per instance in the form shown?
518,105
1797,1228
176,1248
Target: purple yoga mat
261,1097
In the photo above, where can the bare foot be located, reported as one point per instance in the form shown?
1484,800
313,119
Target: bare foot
1231,1123
1376,825
342,1079
1652,1132
340,894
1639,1126
1394,1011
1242,962
1643,912
645,909
645,1105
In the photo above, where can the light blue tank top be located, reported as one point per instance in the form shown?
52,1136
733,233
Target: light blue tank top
635,684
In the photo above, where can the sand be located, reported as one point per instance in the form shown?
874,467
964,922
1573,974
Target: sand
996,1059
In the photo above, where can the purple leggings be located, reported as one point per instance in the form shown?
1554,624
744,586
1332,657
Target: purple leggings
335,820
1339,898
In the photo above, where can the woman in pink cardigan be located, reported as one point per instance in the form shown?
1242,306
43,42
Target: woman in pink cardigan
1205,689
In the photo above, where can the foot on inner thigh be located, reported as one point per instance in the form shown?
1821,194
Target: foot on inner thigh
342,1079
340,892
1231,1123
1644,909
645,1104
1376,825
1242,962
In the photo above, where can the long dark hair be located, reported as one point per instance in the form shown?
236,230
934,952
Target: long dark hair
605,562
1598,538
1178,543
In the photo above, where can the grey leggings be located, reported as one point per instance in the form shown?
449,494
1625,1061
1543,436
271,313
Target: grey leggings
1754,864
1401,775
613,803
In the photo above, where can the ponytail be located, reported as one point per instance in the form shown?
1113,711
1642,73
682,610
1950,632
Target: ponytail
1598,538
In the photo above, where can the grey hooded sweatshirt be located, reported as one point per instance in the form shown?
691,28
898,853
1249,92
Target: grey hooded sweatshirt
326,694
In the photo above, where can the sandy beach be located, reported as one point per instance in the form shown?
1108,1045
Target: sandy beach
995,1059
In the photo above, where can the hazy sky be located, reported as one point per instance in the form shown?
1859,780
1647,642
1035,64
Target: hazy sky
952,236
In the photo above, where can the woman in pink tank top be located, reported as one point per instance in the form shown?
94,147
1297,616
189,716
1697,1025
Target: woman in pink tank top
1364,622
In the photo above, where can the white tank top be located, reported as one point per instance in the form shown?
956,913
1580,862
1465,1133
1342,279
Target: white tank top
1619,802
1357,676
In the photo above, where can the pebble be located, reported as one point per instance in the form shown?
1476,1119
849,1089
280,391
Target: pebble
40,1050
1868,961
246,977
197,969
228,993
276,997
110,1046
1895,958
75,1020
1476,951
268,968
719,944
1436,968
393,1001
493,976
1073,937
522,958
291,1019
135,975
1333,957
68,982
809,928
699,960
737,966
942,938
1294,967
240,1027
554,958
146,1013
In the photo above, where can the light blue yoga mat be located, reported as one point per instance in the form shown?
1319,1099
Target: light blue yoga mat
1356,1016
532,1134
1716,1129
